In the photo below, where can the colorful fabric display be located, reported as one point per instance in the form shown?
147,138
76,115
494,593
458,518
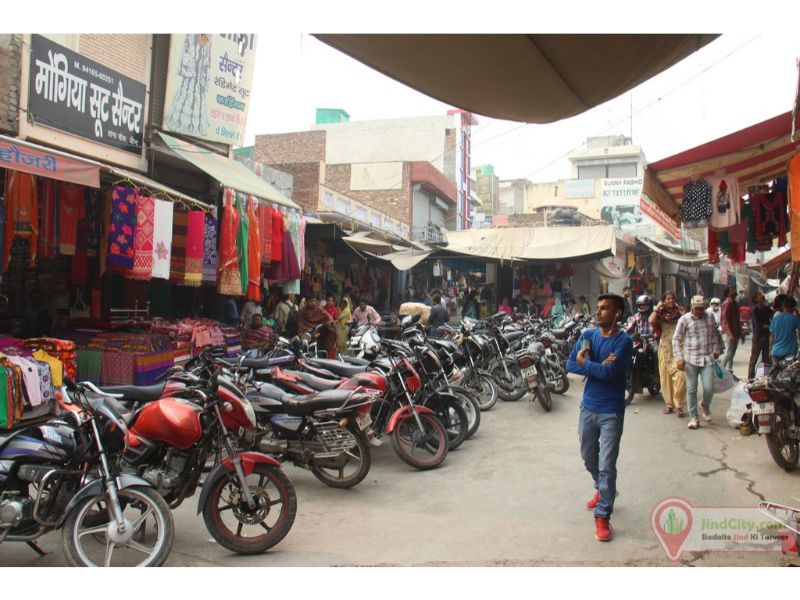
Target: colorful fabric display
71,209
122,228
253,291
195,238
210,249
230,281
143,240
241,240
22,213
162,238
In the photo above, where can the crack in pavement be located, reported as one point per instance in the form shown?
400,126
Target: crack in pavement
724,466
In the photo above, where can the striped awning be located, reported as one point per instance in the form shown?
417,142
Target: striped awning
754,155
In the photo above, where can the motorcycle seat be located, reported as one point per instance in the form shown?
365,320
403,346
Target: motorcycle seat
135,393
512,336
314,382
448,344
337,367
303,405
559,333
262,362
354,360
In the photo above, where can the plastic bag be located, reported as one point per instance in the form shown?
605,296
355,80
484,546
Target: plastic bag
739,401
723,379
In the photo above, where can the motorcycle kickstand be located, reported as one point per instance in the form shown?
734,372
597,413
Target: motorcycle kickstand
36,548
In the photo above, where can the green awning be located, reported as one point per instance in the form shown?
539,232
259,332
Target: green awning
227,171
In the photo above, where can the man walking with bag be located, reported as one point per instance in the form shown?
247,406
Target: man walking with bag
603,354
696,345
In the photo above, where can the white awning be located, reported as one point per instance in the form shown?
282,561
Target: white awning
686,257
534,243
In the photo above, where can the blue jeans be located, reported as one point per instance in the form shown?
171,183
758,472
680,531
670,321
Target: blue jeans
600,435
730,350
706,375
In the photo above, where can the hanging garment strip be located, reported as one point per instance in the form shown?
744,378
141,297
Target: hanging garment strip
162,238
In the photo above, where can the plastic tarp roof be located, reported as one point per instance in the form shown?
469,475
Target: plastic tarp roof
534,243
536,78
228,172
676,255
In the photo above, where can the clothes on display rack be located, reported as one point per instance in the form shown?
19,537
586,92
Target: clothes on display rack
177,267
143,239
22,213
253,291
230,282
195,236
122,228
696,207
265,229
163,216
241,241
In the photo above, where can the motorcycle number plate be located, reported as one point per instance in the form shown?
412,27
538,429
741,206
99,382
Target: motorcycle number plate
364,422
529,373
763,408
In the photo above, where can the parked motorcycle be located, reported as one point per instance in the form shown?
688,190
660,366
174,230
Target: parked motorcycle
643,372
775,411
529,361
248,503
63,475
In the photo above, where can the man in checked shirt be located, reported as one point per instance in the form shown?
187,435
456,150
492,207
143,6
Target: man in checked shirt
696,345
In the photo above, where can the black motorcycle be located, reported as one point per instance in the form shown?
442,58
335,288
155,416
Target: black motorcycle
63,474
775,411
643,372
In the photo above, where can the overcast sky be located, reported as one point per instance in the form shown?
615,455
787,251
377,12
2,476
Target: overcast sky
738,80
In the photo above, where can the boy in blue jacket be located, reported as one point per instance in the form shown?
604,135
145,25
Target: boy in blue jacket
603,354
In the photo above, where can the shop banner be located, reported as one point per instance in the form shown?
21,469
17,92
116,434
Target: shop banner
208,85
72,93
662,219
22,157
619,205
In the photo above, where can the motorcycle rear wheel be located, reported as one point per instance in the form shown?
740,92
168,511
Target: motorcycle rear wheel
357,455
421,449
785,452
543,396
483,387
561,381
226,512
512,387
86,542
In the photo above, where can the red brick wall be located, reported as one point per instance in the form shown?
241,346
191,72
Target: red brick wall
299,147
10,53
395,203
305,184
126,53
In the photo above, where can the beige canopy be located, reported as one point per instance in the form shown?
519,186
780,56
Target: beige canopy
536,78
534,243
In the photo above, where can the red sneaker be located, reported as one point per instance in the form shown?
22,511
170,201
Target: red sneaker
602,529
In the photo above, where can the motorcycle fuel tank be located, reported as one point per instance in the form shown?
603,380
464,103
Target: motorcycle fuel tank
169,420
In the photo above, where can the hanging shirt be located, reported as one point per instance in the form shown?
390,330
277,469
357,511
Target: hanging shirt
696,207
724,202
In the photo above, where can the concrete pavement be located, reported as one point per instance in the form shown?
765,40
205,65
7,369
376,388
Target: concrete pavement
512,495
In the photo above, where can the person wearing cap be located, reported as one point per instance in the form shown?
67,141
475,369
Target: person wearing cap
697,344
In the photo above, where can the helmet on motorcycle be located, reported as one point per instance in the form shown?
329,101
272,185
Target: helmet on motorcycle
644,303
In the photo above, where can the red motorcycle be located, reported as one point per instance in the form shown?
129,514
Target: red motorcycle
247,501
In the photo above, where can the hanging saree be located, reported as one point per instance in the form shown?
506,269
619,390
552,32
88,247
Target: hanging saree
265,229
210,249
71,209
22,213
277,235
177,268
122,228
253,252
195,235
229,281
143,240
162,238
241,240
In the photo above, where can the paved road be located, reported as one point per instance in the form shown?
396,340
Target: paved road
512,495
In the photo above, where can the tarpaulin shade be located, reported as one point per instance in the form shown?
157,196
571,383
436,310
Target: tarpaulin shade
536,78
228,172
405,259
753,155
777,262
534,243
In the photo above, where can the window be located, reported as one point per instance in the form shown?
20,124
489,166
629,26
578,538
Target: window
622,170
607,171
342,206
327,199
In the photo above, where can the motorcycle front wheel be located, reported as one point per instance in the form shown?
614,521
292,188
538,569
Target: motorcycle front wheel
470,406
424,449
784,450
245,530
146,541
481,384
510,387
347,469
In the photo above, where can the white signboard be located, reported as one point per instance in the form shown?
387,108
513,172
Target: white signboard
620,205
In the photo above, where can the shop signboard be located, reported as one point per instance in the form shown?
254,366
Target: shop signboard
208,85
662,219
72,93
23,157
620,205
